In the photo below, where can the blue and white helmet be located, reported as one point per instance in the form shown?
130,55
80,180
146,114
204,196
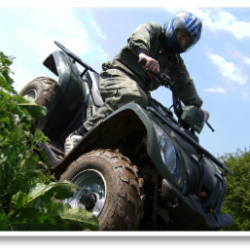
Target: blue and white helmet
186,21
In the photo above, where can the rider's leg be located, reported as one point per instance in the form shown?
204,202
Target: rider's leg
118,89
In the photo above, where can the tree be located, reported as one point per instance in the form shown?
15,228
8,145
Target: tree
237,202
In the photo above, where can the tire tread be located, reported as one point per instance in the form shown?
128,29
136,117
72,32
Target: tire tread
129,209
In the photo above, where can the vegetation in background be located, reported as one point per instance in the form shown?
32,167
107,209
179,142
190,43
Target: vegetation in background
237,202
29,194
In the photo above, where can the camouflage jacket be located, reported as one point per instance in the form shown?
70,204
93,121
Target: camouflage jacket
149,38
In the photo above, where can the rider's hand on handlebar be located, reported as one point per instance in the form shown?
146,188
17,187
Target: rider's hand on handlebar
206,115
151,64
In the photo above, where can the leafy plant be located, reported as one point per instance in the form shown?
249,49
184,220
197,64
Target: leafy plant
237,202
29,194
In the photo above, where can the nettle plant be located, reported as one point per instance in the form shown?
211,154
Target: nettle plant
29,194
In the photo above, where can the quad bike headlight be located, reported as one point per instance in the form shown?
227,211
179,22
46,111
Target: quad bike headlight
168,152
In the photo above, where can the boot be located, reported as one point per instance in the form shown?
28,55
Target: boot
73,139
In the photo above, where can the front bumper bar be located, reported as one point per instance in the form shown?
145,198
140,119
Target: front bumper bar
188,214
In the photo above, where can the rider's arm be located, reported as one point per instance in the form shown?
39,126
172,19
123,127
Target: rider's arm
140,41
184,84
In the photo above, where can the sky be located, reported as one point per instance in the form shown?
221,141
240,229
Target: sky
219,63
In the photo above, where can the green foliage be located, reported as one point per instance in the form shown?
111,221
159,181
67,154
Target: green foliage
77,217
29,194
35,210
237,202
5,79
32,108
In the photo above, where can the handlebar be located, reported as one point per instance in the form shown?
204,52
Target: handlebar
165,80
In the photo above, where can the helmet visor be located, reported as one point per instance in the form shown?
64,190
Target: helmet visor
184,38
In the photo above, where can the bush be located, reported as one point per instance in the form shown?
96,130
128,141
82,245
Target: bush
28,193
237,202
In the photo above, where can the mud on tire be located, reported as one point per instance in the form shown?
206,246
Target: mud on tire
123,207
41,88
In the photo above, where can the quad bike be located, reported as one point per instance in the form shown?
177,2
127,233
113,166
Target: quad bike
137,169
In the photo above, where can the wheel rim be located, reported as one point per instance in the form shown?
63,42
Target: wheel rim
91,182
31,93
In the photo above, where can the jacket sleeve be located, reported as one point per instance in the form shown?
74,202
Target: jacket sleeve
139,41
184,84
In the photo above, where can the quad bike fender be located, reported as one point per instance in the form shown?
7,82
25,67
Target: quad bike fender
130,118
152,142
70,82
153,151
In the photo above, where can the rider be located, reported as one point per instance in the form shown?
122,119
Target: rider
124,80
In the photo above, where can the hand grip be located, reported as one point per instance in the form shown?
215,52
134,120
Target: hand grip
142,61
209,126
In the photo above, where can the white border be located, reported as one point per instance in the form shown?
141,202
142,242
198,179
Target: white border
122,4
123,233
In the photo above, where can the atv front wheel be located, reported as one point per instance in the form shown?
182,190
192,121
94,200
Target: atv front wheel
109,188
